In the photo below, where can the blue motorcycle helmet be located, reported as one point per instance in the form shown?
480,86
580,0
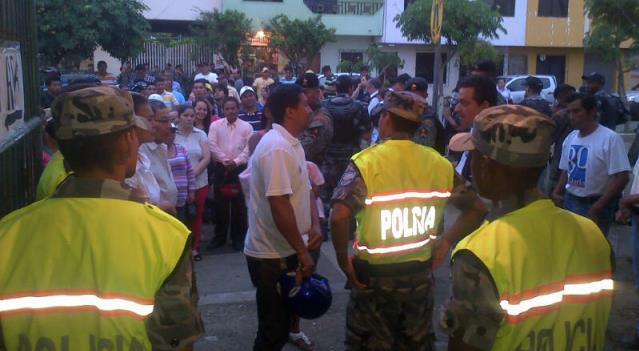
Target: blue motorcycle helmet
309,300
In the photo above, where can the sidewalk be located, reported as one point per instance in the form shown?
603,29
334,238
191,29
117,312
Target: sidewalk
227,299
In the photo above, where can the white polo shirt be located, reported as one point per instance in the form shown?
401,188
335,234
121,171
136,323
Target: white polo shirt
278,167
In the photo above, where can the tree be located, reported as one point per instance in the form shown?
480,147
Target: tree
72,30
381,61
226,32
465,23
299,40
613,23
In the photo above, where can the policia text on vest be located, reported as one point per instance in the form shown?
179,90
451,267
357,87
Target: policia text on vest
118,343
406,222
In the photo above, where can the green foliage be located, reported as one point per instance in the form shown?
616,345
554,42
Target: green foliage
474,51
613,22
349,66
299,40
225,32
465,21
381,61
72,30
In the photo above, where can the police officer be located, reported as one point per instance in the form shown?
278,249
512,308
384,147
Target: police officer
518,282
533,98
90,267
431,132
350,122
397,190
317,137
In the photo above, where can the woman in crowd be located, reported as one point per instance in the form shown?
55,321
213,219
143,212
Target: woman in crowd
183,176
204,115
196,144
202,89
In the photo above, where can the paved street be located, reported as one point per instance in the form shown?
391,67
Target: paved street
228,307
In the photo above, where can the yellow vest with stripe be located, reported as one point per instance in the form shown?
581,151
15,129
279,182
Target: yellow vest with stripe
53,175
82,273
552,269
407,188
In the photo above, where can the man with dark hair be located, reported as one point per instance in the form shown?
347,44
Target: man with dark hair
141,74
431,132
204,73
475,95
350,122
488,69
315,143
329,81
54,88
533,97
594,165
163,88
288,76
115,270
281,209
390,275
532,274
400,82
610,109
228,141
372,89
104,76
562,129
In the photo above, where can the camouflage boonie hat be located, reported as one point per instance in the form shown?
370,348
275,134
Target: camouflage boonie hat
94,111
512,135
405,104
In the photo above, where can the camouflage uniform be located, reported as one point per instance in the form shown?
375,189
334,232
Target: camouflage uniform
393,312
316,145
512,135
175,321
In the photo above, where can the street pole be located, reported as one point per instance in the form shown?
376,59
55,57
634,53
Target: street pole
437,79
436,19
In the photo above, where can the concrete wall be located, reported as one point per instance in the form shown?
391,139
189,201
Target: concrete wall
113,64
515,27
330,54
555,31
184,10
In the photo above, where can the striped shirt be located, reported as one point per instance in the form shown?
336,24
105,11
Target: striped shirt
182,174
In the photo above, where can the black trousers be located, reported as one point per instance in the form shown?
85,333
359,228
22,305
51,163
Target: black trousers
230,212
274,317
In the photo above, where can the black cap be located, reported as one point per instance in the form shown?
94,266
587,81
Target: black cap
594,77
417,84
534,82
308,80
139,67
488,66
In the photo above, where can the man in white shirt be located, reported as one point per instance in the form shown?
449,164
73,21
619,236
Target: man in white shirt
594,165
205,74
373,87
281,208
228,140
157,155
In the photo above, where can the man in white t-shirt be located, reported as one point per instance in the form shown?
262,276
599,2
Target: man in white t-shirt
280,208
205,74
594,165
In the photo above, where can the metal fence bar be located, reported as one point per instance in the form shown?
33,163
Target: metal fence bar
185,52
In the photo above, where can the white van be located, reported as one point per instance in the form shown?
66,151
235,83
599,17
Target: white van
517,87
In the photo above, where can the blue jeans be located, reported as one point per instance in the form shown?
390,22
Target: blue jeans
606,216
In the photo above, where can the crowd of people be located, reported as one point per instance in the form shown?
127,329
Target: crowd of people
280,165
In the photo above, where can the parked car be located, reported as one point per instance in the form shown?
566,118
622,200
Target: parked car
322,79
516,85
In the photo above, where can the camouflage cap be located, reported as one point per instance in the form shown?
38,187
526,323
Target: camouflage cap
512,135
405,104
94,111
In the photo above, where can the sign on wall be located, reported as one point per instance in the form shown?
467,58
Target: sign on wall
11,88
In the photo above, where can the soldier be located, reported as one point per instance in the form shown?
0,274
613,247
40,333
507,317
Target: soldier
534,275
397,190
533,98
431,133
350,122
116,272
317,137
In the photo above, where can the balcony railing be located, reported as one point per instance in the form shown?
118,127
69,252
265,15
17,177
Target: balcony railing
356,8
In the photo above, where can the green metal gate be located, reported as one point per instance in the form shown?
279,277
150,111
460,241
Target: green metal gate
20,154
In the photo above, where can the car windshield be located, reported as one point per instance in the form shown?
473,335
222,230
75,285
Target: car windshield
519,84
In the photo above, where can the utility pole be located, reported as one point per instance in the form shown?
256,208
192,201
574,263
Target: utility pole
436,19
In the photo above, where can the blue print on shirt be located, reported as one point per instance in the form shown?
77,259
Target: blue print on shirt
577,160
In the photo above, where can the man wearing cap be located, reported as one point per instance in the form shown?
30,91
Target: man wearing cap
96,285
610,109
533,275
262,82
204,73
397,190
249,110
317,137
533,98
488,69
431,133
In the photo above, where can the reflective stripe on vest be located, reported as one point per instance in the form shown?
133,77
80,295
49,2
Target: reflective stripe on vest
393,249
75,300
407,195
576,289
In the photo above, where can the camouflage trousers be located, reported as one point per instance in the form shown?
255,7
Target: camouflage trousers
392,313
332,170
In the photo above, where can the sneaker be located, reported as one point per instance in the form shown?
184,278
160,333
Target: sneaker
302,341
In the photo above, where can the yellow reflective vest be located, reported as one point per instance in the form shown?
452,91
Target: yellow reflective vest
552,269
407,188
53,175
85,279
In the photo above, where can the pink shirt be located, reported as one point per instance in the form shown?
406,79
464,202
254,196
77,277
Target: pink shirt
229,141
